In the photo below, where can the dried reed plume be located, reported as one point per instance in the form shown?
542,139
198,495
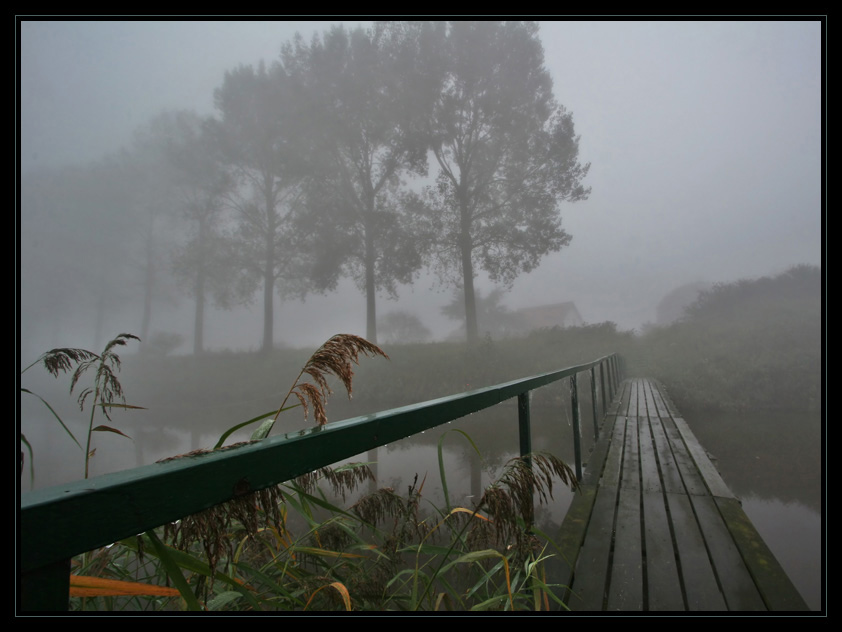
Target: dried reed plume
335,357
510,499
342,480
212,528
63,360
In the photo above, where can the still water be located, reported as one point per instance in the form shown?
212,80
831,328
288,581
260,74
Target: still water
771,461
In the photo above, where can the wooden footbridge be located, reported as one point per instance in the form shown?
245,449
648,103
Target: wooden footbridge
653,526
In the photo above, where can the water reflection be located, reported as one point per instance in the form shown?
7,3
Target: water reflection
793,531
772,461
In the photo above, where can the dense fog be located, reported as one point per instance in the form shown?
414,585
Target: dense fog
703,141
218,198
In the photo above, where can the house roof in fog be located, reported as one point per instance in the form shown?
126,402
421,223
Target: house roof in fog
556,315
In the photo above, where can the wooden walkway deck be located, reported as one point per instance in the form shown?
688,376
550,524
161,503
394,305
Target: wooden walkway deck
655,528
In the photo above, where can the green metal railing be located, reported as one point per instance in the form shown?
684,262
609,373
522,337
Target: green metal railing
60,522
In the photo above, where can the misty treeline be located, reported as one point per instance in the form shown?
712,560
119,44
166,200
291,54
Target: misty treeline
746,344
369,154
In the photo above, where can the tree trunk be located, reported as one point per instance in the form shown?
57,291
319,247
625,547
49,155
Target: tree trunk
471,324
268,308
149,280
466,250
199,320
269,270
370,289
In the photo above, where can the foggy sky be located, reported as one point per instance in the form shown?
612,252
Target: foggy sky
705,140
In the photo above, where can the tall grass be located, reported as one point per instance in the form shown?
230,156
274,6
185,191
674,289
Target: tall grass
104,390
293,548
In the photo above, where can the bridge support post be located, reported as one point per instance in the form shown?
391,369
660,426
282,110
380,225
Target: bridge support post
602,387
45,589
577,440
524,426
525,433
594,405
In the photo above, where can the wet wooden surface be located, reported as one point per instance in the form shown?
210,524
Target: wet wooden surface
655,528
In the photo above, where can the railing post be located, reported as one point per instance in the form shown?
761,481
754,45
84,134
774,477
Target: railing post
46,589
577,442
524,430
602,386
525,433
593,404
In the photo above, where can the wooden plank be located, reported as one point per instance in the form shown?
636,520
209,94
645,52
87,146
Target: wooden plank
776,589
659,397
707,469
630,474
620,405
572,533
737,584
670,476
663,588
665,400
625,590
592,566
626,583
634,392
701,589
693,482
649,475
614,459
599,451
648,399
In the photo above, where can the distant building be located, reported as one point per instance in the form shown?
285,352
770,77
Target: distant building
545,316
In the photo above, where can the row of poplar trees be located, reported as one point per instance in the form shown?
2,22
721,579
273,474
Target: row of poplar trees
371,153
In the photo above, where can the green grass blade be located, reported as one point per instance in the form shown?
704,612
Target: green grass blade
174,572
223,599
278,589
186,561
31,459
123,406
55,414
302,508
234,429
494,602
441,463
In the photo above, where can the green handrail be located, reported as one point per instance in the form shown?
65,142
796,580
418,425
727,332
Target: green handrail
62,521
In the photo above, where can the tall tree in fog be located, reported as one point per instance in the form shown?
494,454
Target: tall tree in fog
200,188
366,96
257,131
507,156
